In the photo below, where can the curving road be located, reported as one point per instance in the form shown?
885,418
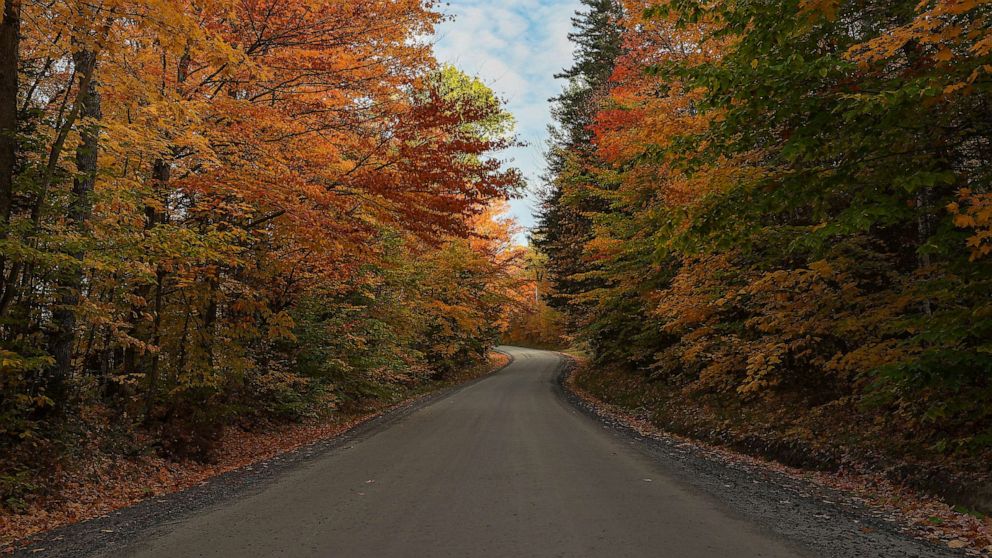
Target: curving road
504,467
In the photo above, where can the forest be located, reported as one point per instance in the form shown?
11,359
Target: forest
234,213
770,225
232,228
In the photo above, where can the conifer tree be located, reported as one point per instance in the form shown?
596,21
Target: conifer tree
563,226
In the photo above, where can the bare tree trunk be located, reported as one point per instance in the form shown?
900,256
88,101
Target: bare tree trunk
161,173
153,379
210,318
10,29
80,209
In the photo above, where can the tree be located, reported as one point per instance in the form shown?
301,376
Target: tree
562,223
10,30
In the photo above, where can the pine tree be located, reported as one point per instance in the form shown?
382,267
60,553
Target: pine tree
563,227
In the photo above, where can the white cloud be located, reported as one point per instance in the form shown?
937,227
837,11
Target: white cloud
516,47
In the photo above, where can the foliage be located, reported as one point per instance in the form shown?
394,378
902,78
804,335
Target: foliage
563,223
790,202
235,211
534,322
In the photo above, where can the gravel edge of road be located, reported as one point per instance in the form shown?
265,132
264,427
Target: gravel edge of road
815,520
123,526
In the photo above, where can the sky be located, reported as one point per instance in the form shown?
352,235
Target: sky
516,47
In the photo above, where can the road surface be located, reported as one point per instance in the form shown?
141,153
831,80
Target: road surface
503,467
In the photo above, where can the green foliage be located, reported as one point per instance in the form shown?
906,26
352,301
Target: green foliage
563,224
15,488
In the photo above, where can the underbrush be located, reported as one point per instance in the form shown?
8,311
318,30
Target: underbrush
836,435
99,459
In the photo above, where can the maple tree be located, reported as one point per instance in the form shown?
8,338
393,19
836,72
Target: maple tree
222,210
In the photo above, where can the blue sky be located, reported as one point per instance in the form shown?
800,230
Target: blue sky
516,47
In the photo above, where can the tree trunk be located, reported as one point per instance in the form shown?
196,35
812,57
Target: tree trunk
161,173
10,29
153,381
210,318
80,209
49,171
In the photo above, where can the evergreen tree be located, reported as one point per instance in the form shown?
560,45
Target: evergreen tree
569,194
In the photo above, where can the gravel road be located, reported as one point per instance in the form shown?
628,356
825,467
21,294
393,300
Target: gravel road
506,466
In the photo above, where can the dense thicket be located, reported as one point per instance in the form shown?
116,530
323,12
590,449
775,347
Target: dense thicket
533,321
793,210
232,208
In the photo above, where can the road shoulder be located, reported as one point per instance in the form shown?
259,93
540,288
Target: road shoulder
817,518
